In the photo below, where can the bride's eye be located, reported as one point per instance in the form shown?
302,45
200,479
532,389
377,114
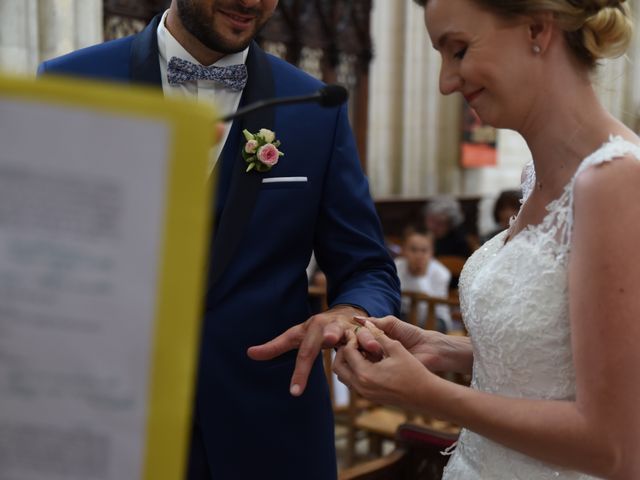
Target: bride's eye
460,53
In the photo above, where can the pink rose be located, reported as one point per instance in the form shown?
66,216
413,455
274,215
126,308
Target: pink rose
268,154
251,146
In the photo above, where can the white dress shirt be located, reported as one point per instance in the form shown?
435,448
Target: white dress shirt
208,91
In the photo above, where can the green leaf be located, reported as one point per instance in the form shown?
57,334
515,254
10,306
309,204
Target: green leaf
250,167
248,135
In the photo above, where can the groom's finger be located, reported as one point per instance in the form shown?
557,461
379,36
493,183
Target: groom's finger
332,334
279,345
368,343
309,348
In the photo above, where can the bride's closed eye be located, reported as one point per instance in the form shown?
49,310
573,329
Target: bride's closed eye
460,53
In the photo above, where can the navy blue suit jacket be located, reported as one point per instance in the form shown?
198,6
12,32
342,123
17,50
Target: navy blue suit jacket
251,426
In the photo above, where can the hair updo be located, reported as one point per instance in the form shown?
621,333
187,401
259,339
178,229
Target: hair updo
594,29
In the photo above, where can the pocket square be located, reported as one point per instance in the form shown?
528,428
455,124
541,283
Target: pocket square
284,180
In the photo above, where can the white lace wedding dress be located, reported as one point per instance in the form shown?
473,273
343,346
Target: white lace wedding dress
514,301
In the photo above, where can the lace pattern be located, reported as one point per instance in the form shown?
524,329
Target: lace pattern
528,181
514,301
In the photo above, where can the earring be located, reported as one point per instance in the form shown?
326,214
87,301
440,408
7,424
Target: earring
536,49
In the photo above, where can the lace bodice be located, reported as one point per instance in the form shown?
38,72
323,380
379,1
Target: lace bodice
514,301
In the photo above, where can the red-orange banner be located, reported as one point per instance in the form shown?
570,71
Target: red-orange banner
478,141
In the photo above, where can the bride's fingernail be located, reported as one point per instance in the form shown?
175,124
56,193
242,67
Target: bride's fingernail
359,319
369,324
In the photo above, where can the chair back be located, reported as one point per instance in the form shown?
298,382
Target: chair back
418,298
453,262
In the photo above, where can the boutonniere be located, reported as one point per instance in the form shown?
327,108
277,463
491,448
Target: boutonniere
261,150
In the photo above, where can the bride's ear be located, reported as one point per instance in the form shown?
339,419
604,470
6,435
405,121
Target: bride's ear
540,31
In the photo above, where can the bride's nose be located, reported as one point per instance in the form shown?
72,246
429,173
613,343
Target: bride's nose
450,80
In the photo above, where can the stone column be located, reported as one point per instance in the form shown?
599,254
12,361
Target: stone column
411,126
18,36
384,139
35,30
610,81
632,112
421,108
89,22
56,20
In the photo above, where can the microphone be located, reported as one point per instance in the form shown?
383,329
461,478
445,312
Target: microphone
328,96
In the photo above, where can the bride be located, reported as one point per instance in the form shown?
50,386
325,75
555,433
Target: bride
552,304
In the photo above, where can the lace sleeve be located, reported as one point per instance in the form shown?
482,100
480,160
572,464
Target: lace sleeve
527,180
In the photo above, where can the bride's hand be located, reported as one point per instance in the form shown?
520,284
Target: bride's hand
399,378
436,351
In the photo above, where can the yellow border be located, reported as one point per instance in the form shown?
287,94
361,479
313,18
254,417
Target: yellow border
184,247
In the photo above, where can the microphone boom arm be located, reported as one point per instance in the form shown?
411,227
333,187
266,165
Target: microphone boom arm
268,103
328,96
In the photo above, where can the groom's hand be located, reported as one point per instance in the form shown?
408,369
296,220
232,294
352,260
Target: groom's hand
325,330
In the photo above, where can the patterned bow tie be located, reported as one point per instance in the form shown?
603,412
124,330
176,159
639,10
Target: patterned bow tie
233,77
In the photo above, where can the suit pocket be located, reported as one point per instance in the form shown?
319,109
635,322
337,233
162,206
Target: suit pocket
284,183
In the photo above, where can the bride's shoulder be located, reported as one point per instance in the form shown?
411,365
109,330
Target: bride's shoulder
609,182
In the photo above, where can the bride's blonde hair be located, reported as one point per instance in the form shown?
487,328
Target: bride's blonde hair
594,29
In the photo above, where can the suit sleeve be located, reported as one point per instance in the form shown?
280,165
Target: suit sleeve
349,244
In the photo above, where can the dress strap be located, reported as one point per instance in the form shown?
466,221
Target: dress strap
616,147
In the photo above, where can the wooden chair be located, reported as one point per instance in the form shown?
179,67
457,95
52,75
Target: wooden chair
417,298
381,422
453,262
417,456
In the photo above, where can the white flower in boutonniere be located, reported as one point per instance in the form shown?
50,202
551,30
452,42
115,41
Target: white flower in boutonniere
267,135
261,150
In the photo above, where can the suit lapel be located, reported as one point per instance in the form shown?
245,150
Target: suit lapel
145,60
245,187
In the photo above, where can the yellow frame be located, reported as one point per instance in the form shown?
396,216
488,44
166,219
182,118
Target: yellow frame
182,268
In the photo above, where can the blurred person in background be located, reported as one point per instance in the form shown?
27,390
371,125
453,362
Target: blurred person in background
444,219
418,271
505,208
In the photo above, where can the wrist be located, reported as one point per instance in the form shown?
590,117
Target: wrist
455,353
463,354
442,397
450,400
427,395
351,310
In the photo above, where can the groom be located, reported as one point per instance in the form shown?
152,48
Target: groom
268,416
